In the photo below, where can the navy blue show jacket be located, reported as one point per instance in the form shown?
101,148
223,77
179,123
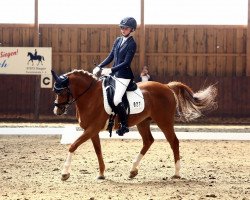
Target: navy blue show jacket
122,56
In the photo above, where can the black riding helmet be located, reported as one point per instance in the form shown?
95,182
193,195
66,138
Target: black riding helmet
129,22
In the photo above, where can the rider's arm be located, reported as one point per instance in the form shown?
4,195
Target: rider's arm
110,57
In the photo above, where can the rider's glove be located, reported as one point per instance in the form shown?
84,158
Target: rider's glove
96,70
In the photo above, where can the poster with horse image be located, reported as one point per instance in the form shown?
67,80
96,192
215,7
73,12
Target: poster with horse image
25,60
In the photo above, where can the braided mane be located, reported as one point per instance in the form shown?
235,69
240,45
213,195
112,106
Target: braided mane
81,72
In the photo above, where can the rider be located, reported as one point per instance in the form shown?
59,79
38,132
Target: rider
122,53
35,54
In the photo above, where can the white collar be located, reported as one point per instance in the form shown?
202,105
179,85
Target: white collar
124,39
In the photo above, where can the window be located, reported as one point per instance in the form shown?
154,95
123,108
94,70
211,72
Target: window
87,11
112,11
17,11
196,11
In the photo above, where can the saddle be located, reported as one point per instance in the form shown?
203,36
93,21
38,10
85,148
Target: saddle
133,99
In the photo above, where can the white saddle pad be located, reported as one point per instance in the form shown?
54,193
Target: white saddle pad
135,99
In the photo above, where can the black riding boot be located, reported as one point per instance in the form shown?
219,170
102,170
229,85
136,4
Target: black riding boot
121,111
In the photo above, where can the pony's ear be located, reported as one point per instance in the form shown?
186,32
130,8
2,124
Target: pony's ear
55,76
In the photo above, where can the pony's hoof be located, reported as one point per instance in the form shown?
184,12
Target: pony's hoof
65,176
176,177
101,177
133,173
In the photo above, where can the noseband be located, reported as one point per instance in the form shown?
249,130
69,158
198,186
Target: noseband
68,102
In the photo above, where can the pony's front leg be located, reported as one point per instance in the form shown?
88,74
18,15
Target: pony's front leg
67,165
134,168
98,150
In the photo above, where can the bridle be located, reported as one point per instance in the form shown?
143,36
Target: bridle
70,99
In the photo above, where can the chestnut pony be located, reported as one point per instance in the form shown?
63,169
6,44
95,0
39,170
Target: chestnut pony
163,104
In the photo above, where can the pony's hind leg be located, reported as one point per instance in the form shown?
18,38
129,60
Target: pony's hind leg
168,130
174,143
147,138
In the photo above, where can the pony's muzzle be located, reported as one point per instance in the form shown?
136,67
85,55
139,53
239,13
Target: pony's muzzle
60,110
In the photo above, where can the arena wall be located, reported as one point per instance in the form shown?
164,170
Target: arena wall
197,55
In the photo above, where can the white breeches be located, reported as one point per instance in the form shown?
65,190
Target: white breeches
121,85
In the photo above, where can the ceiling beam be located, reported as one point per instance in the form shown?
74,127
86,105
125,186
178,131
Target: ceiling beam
142,37
248,42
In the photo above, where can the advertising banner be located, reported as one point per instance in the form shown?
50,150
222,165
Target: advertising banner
25,60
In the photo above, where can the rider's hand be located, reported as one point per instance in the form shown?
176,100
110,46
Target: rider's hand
96,70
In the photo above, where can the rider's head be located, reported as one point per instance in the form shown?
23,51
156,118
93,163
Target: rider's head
127,25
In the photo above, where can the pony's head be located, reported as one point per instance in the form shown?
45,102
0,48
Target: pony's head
63,94
67,92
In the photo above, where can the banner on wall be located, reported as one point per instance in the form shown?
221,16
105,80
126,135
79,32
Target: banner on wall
27,61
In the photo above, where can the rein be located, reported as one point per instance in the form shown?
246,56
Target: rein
68,102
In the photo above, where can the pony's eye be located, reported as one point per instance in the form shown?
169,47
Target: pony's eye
62,92
59,92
